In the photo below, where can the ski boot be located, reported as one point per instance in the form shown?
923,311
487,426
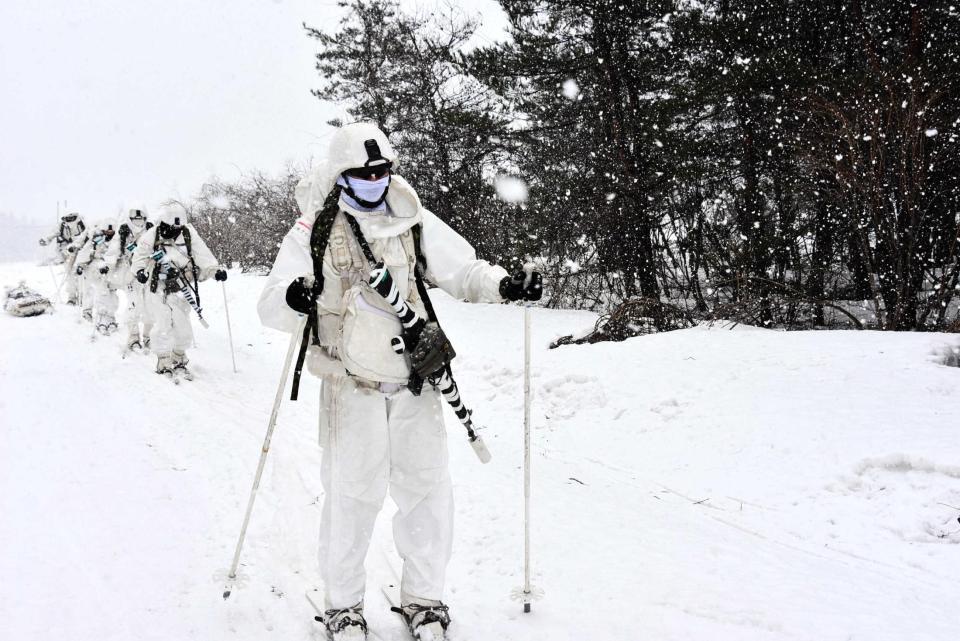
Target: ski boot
180,370
72,301
165,367
346,624
88,315
106,327
132,345
427,620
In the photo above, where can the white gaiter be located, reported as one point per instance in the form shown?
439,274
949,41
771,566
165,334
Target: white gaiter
369,190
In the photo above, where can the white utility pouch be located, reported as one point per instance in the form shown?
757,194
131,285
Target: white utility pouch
368,326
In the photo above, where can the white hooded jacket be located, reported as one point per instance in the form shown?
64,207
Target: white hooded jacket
91,254
119,256
451,262
176,254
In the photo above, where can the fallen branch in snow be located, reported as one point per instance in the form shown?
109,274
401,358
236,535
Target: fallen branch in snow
634,317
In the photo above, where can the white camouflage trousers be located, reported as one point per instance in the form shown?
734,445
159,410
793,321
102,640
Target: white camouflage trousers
373,441
170,315
105,298
69,275
137,310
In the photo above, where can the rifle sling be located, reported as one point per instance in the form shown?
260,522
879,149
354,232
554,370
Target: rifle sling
418,276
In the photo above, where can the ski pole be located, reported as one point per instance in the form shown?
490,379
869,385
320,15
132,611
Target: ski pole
528,593
294,337
53,277
226,309
526,458
80,292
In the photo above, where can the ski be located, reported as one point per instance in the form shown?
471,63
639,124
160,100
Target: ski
130,348
315,598
426,633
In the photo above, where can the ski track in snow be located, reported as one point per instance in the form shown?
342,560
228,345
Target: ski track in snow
703,484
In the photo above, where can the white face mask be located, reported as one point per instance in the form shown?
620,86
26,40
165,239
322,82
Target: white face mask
369,190
137,223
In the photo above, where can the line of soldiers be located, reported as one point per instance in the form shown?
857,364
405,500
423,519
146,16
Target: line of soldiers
158,264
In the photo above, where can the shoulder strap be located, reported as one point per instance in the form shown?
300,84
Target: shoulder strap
418,269
188,242
320,234
364,245
155,274
421,259
319,239
421,269
193,264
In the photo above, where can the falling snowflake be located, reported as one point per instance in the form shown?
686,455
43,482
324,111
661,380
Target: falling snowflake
571,90
511,189
221,201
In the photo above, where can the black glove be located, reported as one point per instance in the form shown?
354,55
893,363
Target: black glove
71,249
512,287
220,275
300,296
80,270
172,272
142,277
104,269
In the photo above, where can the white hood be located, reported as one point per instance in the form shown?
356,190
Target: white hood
347,151
124,217
170,212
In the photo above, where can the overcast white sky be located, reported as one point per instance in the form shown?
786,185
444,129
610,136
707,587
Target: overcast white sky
107,101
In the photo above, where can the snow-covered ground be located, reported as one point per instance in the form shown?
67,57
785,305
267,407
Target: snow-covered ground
701,484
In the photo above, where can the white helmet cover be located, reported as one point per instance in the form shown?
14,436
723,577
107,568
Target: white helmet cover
361,144
347,150
133,215
173,214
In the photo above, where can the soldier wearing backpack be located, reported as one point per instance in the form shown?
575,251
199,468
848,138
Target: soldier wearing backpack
171,260
118,261
377,433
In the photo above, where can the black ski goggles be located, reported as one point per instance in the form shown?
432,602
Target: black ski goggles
374,172
69,218
136,213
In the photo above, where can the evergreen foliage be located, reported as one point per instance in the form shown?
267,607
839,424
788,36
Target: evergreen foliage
780,162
